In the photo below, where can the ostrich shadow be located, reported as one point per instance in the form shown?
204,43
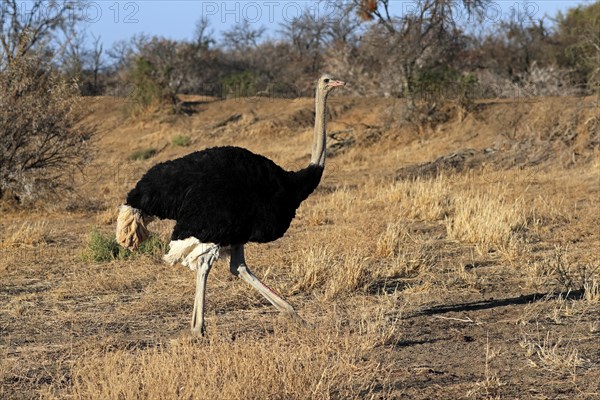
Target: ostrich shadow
494,303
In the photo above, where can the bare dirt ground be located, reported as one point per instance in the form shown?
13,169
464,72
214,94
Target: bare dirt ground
448,262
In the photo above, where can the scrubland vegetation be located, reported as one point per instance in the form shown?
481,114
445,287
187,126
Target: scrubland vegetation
480,281
451,250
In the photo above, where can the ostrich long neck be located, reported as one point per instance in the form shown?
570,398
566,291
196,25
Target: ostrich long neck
318,149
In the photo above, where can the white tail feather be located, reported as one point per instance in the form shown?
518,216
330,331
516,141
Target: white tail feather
191,253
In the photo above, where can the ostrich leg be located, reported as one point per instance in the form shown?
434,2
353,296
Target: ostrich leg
239,268
198,313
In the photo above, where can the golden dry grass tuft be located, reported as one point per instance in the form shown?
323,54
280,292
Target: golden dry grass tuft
488,220
404,255
333,271
421,199
389,241
29,233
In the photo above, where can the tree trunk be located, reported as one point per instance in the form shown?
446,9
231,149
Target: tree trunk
408,87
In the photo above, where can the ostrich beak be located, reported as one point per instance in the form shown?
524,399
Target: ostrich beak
336,83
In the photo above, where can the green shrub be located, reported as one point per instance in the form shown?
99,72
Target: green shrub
181,140
103,247
578,39
153,246
147,91
241,84
445,83
143,154
439,85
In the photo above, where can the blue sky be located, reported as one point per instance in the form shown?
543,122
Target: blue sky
176,19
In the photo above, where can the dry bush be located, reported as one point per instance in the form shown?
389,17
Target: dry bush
559,269
549,81
552,354
42,133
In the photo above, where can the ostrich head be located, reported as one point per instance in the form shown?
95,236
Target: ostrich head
327,82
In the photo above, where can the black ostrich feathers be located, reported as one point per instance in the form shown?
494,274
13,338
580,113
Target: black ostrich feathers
224,195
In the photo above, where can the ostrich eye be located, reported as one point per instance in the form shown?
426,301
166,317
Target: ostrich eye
326,80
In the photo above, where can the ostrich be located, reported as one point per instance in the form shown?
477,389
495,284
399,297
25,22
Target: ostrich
222,198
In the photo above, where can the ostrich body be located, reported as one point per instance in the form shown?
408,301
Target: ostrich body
224,197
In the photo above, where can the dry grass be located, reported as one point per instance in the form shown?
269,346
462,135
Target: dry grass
104,279
5,371
335,272
491,384
388,243
333,360
108,216
481,283
537,274
315,366
343,199
552,354
29,233
421,199
591,288
488,220
405,256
